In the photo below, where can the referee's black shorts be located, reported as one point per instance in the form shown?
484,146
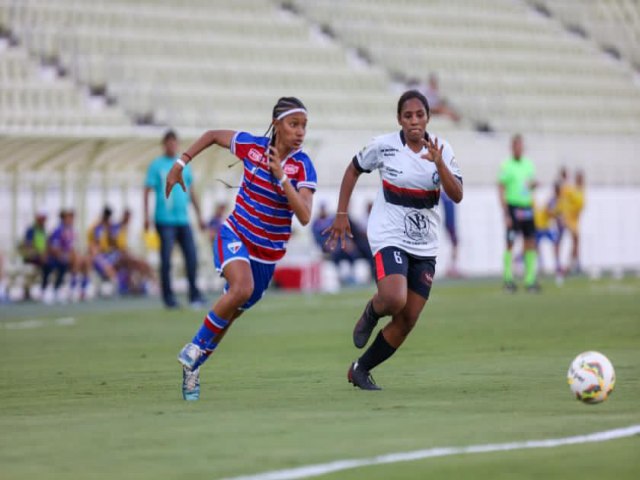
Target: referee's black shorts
521,222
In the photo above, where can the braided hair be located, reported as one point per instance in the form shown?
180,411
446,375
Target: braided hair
283,105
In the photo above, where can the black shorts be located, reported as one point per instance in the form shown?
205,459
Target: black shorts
418,270
521,222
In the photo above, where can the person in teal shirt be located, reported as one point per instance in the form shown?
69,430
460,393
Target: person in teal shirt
171,220
516,184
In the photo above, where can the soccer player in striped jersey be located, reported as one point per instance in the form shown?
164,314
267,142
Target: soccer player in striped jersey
279,181
402,230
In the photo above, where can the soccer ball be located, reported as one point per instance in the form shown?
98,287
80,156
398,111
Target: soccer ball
591,377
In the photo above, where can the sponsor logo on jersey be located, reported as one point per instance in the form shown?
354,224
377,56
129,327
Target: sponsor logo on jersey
392,172
254,155
291,169
416,225
389,151
234,247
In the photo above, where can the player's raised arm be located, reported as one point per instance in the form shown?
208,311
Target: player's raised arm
221,138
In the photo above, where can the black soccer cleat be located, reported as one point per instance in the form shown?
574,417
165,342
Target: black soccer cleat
510,287
361,378
364,327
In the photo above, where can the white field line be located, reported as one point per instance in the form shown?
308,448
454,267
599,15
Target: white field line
336,466
26,324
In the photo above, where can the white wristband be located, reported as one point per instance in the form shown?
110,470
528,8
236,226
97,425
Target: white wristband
181,163
282,180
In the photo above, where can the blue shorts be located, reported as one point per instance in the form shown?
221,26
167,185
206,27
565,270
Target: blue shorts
227,247
552,235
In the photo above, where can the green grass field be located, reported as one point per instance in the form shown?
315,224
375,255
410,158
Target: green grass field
100,397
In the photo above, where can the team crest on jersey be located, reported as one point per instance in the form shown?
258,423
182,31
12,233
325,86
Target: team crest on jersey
234,247
436,178
291,169
254,155
416,226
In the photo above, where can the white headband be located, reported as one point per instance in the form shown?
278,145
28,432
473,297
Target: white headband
289,112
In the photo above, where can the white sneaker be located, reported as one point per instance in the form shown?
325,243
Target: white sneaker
62,296
76,295
48,296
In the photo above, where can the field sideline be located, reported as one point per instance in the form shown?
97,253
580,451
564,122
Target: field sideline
92,391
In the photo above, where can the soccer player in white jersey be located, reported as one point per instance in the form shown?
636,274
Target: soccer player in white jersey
403,228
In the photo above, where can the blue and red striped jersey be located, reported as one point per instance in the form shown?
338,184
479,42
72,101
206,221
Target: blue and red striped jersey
262,214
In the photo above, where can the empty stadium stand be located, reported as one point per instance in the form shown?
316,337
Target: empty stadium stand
34,98
499,60
203,64
614,24
197,63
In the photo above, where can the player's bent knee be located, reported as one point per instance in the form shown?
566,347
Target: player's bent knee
392,304
241,293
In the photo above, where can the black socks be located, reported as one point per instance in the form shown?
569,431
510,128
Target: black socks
378,352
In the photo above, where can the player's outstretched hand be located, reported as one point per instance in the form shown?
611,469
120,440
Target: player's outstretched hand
174,176
434,153
340,229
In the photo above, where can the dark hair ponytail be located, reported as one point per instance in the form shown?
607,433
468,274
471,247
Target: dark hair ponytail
410,94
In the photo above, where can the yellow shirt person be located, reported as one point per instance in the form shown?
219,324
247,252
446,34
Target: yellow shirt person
570,205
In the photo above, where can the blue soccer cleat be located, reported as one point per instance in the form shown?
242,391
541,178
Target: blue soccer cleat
190,384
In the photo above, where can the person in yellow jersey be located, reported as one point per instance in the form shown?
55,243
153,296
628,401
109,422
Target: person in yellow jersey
571,206
139,277
102,247
120,231
516,183
545,219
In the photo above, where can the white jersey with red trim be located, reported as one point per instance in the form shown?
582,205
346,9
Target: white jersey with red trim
404,213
